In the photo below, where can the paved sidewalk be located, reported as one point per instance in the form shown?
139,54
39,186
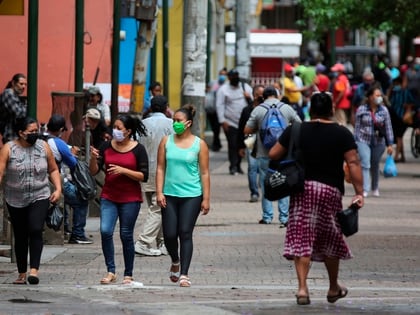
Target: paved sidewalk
237,267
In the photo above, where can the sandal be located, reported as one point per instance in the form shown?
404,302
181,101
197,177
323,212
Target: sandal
21,279
184,281
127,280
342,292
33,279
174,272
303,299
109,278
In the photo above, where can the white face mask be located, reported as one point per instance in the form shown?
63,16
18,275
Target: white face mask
379,100
118,135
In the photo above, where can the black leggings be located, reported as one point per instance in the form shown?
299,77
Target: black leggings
178,220
28,225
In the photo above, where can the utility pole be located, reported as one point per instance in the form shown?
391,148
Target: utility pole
145,12
243,21
194,60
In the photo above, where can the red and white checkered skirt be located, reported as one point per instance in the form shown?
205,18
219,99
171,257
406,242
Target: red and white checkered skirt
313,229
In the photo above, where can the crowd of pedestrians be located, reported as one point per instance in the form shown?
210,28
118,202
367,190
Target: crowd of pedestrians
144,158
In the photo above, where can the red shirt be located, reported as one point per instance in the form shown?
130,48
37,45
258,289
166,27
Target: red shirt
342,85
120,188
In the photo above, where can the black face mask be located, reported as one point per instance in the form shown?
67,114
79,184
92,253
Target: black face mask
260,99
31,138
234,81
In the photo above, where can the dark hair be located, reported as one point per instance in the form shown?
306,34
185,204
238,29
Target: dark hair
321,105
133,123
256,87
269,91
154,84
22,123
159,104
188,110
372,89
15,79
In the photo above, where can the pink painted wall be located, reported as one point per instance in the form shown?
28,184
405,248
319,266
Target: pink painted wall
56,47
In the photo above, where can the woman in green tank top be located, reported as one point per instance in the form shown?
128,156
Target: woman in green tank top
182,190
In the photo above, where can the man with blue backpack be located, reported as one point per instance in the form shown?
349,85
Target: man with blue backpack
269,120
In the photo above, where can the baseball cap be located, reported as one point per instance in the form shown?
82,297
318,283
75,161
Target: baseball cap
93,113
233,72
56,122
338,67
320,67
288,67
94,90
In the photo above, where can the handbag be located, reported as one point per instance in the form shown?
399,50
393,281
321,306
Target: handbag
390,168
349,220
287,176
54,217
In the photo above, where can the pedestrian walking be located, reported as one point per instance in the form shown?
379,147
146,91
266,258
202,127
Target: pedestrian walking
230,100
27,166
254,125
182,190
313,232
125,164
157,126
373,134
250,152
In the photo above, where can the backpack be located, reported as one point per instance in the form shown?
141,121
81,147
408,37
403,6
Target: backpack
84,181
273,124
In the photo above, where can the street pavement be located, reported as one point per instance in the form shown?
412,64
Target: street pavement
237,266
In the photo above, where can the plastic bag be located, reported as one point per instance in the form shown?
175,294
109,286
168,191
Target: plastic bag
54,217
390,168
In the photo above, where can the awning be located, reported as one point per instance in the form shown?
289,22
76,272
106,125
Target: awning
268,44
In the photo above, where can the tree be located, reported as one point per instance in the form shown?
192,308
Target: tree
397,17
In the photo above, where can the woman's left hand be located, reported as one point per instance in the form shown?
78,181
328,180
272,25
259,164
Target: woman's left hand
55,196
115,169
389,149
205,207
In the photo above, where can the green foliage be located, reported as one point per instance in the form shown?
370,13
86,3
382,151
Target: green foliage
399,17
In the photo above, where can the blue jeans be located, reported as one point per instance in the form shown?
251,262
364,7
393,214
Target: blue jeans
267,206
370,156
252,174
80,208
127,214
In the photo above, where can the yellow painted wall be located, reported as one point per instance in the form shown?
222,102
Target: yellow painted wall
175,30
11,7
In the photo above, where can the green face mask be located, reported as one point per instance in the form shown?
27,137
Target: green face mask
179,127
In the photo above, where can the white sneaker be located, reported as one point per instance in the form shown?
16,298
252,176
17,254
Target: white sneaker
146,251
365,194
376,193
163,250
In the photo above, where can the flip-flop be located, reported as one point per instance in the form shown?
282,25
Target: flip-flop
342,292
174,275
33,279
303,299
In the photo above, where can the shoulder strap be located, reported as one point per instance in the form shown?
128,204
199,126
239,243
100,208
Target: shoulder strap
294,141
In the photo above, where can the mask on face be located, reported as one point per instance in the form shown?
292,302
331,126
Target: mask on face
379,100
260,99
118,135
222,79
234,81
179,127
31,138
